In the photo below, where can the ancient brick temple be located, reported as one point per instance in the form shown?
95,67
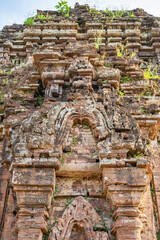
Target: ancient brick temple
79,127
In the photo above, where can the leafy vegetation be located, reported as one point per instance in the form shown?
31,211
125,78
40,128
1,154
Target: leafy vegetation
152,191
74,139
158,235
108,64
122,51
141,109
40,16
46,235
68,202
63,7
98,39
111,13
149,74
1,97
120,92
29,21
85,125
40,100
56,191
138,155
125,79
119,13
62,160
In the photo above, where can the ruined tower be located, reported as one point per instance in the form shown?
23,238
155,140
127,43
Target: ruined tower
79,126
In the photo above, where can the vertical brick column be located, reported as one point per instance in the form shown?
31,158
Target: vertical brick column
34,189
125,187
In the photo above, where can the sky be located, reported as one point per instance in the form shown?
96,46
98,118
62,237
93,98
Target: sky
17,11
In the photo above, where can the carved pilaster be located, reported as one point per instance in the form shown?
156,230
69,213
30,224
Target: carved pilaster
125,187
34,189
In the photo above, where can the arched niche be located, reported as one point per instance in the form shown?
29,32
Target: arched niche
93,115
78,132
79,218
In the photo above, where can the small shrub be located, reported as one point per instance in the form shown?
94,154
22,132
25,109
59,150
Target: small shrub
130,14
55,193
158,235
141,109
152,191
97,209
125,79
68,202
85,125
1,97
29,21
120,92
74,139
98,38
41,16
122,51
40,100
108,64
138,155
62,160
63,7
148,74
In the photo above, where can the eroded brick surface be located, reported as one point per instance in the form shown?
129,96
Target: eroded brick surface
79,127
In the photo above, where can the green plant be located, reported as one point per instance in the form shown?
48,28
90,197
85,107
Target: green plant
74,139
130,14
93,10
62,160
66,74
110,214
147,92
69,153
104,81
56,191
152,191
6,81
141,109
120,92
119,13
41,16
40,100
148,74
46,235
138,155
125,79
63,7
29,21
122,51
56,221
9,72
101,190
15,81
68,202
108,64
1,97
155,216
158,235
97,209
98,38
85,125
